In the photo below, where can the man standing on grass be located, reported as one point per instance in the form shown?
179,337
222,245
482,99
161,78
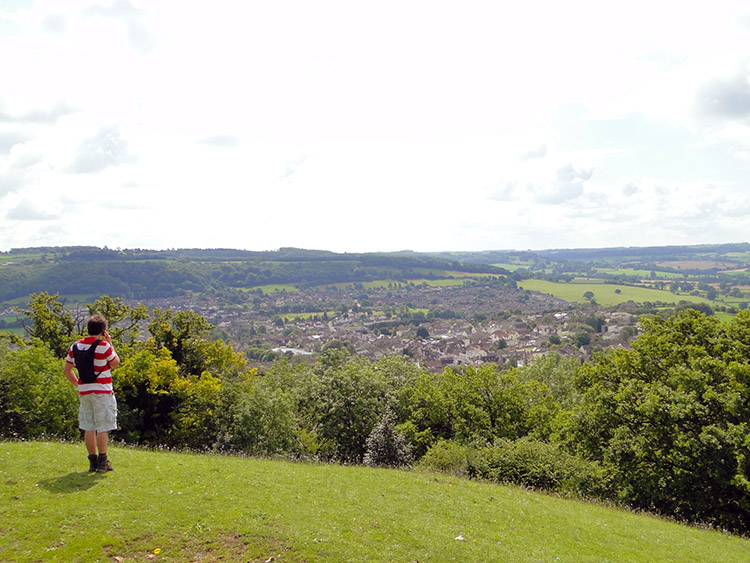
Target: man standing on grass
97,412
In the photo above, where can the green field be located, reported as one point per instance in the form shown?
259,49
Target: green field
643,274
511,267
274,288
166,506
305,316
605,295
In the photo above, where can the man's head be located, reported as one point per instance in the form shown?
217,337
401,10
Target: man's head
97,325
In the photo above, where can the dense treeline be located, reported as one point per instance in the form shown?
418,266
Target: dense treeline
130,273
661,427
644,253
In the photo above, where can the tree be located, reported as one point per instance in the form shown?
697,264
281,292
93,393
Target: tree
386,446
670,417
183,335
123,319
343,402
422,333
588,295
51,323
582,339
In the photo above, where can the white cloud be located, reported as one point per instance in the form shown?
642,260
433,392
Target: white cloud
727,97
223,141
105,149
347,126
29,211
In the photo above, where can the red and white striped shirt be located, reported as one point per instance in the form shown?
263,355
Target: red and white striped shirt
104,354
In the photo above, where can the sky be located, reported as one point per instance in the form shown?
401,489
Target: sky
356,126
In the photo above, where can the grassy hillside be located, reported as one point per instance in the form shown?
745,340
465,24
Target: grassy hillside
165,506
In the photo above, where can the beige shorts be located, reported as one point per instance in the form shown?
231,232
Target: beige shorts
97,412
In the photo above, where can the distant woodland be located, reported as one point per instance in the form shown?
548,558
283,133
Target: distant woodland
142,274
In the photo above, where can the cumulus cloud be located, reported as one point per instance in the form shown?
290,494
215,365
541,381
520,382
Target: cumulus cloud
539,152
104,150
26,160
223,141
11,138
505,192
139,36
727,98
55,23
117,9
567,185
15,175
292,168
28,211
10,181
39,116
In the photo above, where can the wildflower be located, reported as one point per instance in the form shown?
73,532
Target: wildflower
157,551
460,536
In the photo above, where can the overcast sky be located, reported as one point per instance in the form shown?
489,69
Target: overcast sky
374,126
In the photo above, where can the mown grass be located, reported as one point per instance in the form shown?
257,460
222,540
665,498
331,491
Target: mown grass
605,294
166,506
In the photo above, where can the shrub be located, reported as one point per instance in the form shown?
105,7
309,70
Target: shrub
386,446
447,457
256,420
539,465
35,398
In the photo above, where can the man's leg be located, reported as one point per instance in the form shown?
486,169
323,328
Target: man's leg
101,442
90,438
103,463
106,416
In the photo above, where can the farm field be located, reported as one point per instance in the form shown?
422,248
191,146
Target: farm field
168,506
644,274
605,295
274,288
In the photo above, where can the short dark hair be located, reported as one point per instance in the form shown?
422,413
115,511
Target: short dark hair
97,324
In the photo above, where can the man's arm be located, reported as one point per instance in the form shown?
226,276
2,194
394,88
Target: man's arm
114,363
70,374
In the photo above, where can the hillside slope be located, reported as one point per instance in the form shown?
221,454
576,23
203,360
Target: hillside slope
166,506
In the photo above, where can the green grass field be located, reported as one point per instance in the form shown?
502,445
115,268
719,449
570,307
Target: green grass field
644,274
383,284
604,294
274,288
304,316
165,506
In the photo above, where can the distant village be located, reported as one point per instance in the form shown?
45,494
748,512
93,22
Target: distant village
438,327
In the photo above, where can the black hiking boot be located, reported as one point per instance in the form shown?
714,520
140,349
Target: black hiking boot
93,462
104,464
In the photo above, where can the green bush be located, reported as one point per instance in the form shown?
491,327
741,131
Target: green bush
447,457
257,420
539,465
386,447
36,399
